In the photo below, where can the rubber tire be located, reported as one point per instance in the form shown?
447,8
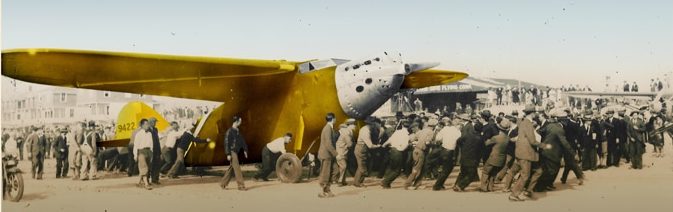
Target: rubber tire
288,168
19,195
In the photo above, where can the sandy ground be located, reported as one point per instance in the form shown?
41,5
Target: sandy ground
613,189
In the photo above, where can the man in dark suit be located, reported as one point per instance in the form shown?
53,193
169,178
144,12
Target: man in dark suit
489,130
572,129
589,138
327,155
234,143
621,130
470,145
497,157
636,129
61,154
527,156
37,146
553,135
156,152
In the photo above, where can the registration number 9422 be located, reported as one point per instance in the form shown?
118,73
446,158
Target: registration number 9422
126,127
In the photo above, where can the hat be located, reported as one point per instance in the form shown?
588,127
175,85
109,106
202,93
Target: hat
610,111
92,123
370,120
433,122
463,117
621,112
515,113
486,114
65,130
558,113
343,125
445,119
635,111
504,124
399,114
529,109
474,116
587,117
349,121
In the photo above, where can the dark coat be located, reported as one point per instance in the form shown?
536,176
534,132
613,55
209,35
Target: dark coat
327,149
555,136
36,144
498,155
586,138
186,139
60,147
234,142
470,145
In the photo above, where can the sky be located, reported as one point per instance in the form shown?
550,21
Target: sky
546,42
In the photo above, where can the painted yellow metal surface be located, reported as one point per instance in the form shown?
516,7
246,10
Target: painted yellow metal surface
271,96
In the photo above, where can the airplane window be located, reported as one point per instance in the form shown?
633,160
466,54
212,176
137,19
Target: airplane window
346,69
359,88
377,59
356,66
368,62
368,81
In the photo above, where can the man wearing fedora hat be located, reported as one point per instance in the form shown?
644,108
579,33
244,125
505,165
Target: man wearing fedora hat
489,130
553,134
590,137
571,129
37,145
636,130
527,156
61,153
497,156
424,137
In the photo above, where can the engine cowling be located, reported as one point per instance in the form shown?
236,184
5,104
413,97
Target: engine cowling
364,85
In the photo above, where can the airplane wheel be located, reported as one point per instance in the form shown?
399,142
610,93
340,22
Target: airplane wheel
288,168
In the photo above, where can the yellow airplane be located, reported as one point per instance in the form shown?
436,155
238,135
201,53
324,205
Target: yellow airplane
273,97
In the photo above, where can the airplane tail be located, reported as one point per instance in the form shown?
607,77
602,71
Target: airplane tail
128,121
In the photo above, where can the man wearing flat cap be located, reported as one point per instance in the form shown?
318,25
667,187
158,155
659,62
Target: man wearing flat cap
367,139
590,138
424,137
343,144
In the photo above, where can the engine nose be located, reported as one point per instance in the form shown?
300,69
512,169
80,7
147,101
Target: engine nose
364,85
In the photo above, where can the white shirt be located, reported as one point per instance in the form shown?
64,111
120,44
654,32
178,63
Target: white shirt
400,139
448,135
172,137
277,145
142,139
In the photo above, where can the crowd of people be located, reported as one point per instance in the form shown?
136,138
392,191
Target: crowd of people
523,153
149,154
522,96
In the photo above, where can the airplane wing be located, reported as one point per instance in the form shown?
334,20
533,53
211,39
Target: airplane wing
431,77
152,74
